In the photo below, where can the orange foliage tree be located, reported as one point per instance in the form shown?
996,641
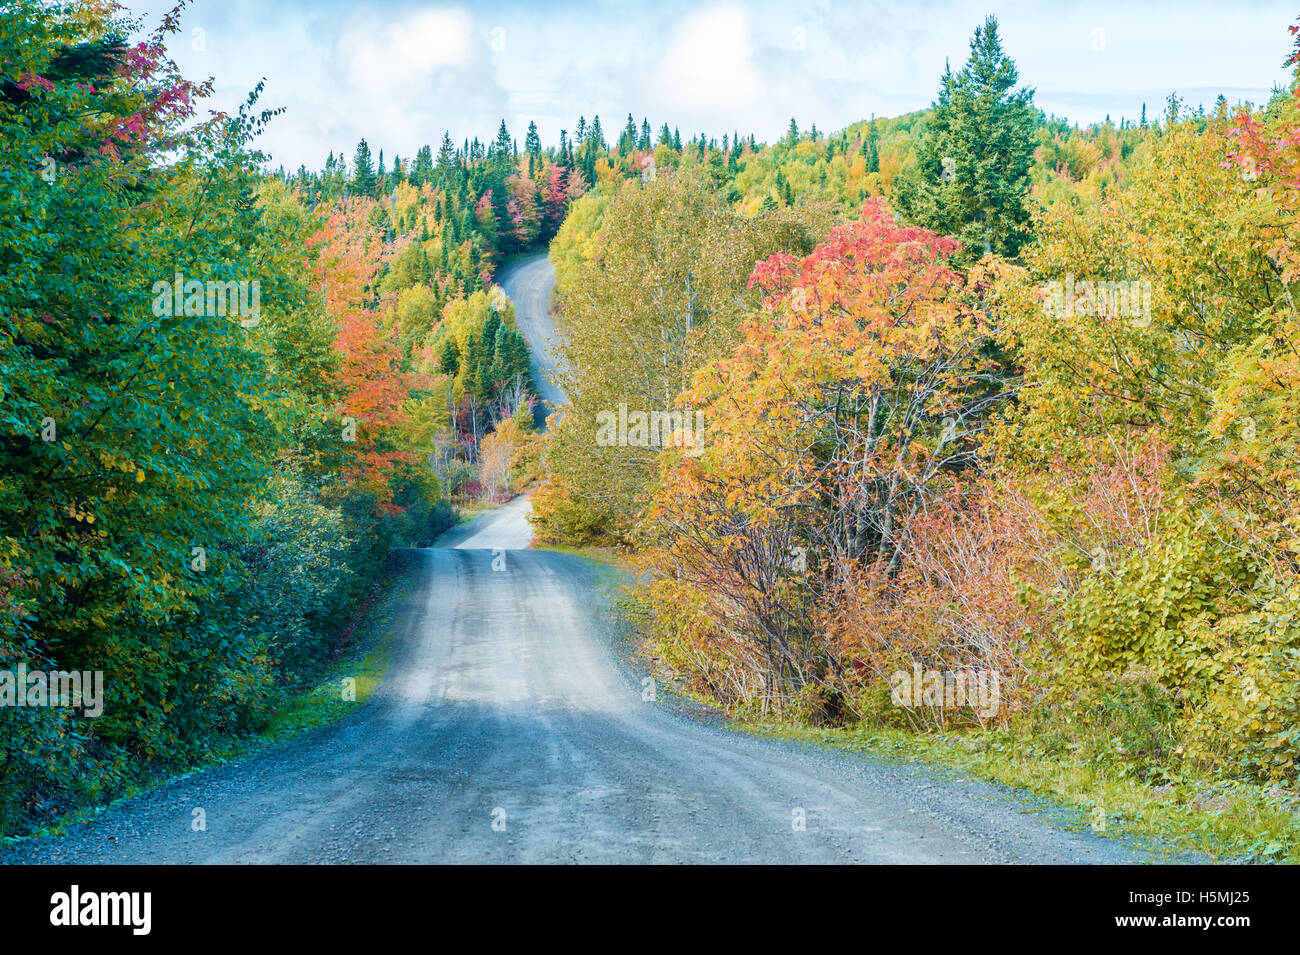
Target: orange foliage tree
857,393
374,380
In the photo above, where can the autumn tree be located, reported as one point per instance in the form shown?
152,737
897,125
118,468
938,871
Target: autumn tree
664,294
852,400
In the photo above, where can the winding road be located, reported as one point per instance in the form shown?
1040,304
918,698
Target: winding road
510,728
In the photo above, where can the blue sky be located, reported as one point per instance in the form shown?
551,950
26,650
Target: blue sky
399,73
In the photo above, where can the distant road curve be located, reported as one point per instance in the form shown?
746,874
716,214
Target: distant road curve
529,282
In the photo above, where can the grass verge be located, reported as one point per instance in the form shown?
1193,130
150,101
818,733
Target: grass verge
1229,822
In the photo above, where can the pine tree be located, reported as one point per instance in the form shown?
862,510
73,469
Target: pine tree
972,171
450,358
422,168
627,139
502,149
363,170
444,172
533,146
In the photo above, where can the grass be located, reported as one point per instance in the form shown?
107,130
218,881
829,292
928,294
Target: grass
466,512
325,702
607,558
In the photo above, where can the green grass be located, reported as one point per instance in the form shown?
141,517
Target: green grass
607,558
325,702
467,512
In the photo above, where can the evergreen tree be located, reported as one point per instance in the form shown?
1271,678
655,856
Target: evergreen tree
533,146
363,170
502,149
972,171
422,168
450,358
443,175
627,139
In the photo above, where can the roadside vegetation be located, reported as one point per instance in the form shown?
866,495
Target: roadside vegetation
226,394
1007,406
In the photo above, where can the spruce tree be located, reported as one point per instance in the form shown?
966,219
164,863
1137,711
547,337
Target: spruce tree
627,139
450,358
363,170
972,172
870,148
533,146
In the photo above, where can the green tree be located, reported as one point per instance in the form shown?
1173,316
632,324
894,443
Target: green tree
363,170
680,292
971,176
533,147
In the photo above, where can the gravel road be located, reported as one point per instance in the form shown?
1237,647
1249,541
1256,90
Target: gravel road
528,282
507,731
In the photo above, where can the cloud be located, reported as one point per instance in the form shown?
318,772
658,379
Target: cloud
388,58
709,64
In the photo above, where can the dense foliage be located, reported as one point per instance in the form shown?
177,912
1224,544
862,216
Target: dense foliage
1029,410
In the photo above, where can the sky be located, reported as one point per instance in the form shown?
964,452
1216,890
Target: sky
399,73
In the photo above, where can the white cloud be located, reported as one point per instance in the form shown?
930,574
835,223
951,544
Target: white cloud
385,58
401,72
709,63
